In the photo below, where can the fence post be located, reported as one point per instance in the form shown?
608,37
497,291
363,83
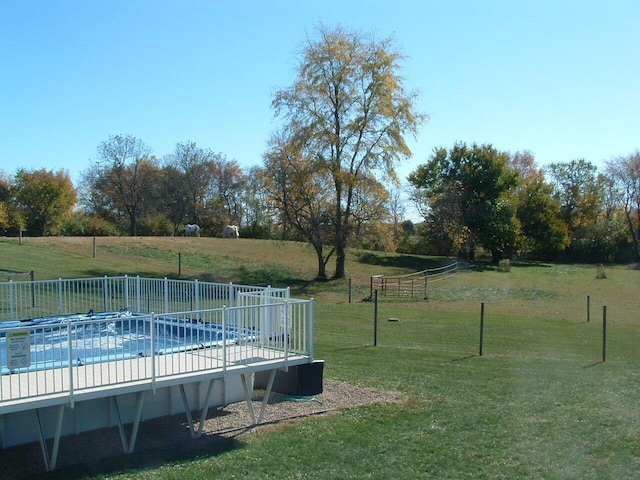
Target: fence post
179,264
287,335
588,308
375,320
426,276
309,327
152,321
604,333
349,290
94,247
11,300
70,360
224,342
481,326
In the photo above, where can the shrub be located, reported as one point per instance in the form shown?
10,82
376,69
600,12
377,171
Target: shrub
504,265
155,225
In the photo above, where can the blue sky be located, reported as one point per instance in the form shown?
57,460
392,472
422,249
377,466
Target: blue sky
558,78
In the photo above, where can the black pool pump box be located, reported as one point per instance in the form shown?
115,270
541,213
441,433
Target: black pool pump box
300,380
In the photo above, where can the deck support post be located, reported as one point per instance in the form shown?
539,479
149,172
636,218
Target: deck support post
187,410
129,445
203,412
267,394
50,461
265,400
247,396
205,408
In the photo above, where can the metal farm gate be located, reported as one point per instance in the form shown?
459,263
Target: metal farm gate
412,285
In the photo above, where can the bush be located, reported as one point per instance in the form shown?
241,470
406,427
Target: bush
256,231
504,265
156,225
80,224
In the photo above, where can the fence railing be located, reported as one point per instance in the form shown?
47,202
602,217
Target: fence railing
34,299
85,352
412,285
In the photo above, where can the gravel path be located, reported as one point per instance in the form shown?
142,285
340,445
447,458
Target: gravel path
225,424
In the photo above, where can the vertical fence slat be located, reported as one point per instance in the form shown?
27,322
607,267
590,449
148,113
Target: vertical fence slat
70,360
60,308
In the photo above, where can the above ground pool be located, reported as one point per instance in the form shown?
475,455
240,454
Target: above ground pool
104,337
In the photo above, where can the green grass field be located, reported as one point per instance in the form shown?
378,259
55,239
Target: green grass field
539,402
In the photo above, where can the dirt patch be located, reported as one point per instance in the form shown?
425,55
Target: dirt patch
165,439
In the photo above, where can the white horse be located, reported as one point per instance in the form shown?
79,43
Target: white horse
231,231
192,230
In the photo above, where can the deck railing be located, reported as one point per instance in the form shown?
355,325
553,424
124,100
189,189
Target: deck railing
35,299
80,354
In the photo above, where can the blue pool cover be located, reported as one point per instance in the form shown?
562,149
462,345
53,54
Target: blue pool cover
110,336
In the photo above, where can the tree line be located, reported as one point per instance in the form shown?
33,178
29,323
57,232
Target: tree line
475,195
328,177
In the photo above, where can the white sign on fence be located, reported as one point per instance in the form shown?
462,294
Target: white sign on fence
18,349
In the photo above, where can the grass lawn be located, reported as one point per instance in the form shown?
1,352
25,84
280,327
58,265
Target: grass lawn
539,402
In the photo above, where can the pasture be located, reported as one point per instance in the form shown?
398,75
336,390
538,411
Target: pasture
539,402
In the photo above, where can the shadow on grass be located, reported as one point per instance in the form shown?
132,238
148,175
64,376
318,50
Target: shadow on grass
601,362
263,275
413,262
346,349
92,273
467,357
482,265
143,458
419,263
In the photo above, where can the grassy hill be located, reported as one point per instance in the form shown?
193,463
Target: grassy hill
539,403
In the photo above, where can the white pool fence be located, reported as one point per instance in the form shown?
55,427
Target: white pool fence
54,356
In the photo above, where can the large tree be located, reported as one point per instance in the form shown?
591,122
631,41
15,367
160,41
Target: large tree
543,234
348,111
258,215
463,194
302,195
576,188
124,180
625,174
372,219
228,187
189,174
543,231
44,199
5,202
